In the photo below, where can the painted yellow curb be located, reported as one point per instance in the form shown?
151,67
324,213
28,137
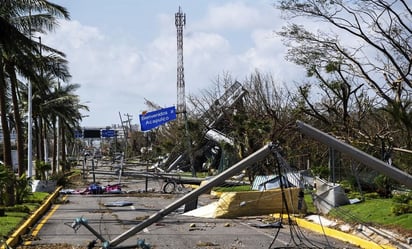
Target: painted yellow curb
353,239
36,230
14,238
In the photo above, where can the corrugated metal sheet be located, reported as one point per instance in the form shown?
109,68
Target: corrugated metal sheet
293,178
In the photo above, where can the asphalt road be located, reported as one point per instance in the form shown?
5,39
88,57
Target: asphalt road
173,231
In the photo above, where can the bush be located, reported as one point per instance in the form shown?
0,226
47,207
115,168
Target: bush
18,208
402,198
400,208
383,185
372,195
321,171
402,204
41,169
60,178
23,188
354,194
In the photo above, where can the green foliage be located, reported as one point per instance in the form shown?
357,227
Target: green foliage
348,183
383,185
23,188
18,208
332,66
36,197
402,198
6,178
41,169
372,195
321,171
402,203
355,194
401,208
60,178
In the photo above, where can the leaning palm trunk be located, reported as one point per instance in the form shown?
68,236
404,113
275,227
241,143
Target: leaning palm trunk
55,141
18,123
63,148
6,136
42,137
36,135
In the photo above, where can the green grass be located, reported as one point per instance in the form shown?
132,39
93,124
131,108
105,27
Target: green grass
36,197
198,174
373,211
14,216
233,188
311,209
9,222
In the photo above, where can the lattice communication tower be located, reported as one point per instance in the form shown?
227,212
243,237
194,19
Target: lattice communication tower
180,21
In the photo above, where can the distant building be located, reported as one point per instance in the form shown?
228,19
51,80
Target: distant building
13,136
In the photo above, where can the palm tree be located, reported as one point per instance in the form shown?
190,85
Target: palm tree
56,102
69,114
18,52
9,36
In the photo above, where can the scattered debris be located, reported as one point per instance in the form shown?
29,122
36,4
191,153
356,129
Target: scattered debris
142,244
94,189
205,243
118,204
142,217
277,224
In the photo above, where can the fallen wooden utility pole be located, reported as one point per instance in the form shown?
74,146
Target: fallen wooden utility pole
219,179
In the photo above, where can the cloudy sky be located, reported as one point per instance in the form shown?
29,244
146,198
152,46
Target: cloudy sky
122,52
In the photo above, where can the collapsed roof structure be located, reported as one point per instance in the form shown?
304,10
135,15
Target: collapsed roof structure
213,137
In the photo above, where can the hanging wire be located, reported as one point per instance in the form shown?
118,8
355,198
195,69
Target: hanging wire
297,236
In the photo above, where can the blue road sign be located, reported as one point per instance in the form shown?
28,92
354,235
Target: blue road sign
108,133
78,134
153,119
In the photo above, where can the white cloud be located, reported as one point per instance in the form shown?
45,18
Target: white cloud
235,16
117,73
267,55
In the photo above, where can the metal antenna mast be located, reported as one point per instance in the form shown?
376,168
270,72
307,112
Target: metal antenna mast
180,21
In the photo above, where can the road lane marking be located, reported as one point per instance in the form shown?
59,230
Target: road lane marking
43,221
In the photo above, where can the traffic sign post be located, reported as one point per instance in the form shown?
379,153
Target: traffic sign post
153,119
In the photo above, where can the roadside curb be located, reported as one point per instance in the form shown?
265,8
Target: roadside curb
350,238
330,232
33,218
353,239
